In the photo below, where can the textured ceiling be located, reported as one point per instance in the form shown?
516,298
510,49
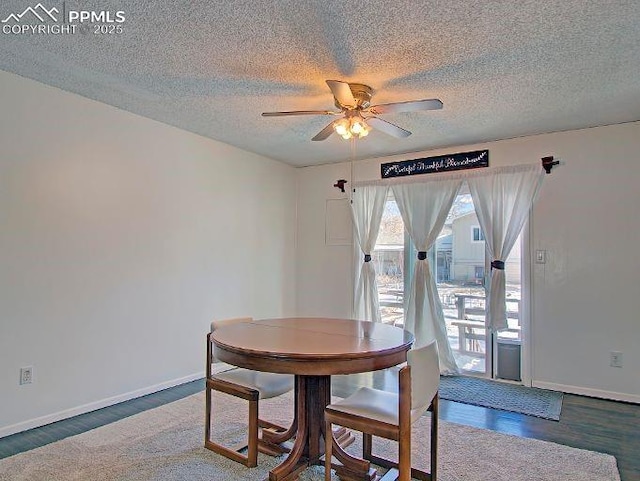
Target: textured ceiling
502,68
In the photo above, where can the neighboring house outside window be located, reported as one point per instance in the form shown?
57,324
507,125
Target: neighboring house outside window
468,248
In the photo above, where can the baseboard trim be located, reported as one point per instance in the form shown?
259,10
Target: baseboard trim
85,408
583,391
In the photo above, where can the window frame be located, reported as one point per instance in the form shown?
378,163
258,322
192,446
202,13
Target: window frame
481,237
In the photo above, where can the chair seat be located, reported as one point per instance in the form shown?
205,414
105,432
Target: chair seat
374,404
266,383
370,403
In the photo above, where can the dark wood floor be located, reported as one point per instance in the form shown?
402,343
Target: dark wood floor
586,423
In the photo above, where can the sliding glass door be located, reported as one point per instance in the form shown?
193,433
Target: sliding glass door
461,269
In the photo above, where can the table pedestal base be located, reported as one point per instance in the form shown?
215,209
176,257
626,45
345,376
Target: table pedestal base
313,394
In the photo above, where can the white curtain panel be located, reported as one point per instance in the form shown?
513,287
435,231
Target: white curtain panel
367,206
424,208
502,202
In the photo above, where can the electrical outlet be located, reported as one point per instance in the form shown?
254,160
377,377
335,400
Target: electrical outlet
26,375
615,359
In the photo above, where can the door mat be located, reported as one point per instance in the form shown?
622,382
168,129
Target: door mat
499,395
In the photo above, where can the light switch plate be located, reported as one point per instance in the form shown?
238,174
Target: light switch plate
541,256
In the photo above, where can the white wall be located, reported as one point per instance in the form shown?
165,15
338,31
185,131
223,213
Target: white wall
120,239
316,261
584,298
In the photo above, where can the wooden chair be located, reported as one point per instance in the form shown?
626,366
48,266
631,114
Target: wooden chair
252,386
390,415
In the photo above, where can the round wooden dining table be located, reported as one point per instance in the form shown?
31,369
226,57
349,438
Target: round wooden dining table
313,349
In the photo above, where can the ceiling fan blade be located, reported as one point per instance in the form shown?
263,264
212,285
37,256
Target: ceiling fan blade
387,127
342,92
324,133
300,112
410,106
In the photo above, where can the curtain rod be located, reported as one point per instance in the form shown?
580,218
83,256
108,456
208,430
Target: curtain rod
548,163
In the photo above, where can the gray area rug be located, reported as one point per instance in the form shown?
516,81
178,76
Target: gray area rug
166,443
500,395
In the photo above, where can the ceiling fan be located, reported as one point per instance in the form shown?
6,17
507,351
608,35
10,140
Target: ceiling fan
358,116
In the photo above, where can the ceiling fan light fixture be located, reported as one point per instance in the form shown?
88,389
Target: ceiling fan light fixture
342,127
358,126
354,126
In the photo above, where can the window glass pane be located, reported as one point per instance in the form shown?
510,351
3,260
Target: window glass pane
513,289
389,258
461,284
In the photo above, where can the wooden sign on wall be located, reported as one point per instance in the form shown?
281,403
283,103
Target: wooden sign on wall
431,165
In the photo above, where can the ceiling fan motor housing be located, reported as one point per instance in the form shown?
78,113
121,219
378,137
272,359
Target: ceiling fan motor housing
361,93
